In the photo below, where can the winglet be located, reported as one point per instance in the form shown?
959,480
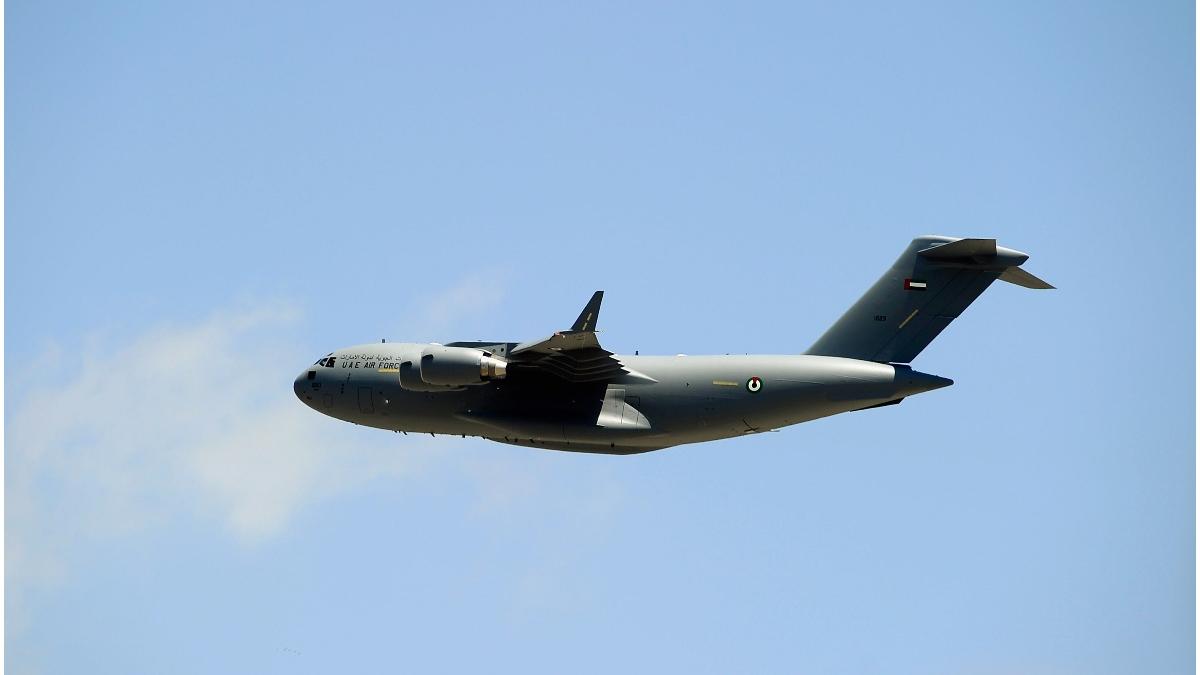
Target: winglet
589,315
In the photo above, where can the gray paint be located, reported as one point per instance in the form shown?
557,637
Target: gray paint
565,392
892,323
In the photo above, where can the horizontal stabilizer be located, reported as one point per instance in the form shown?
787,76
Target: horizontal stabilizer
1018,276
963,248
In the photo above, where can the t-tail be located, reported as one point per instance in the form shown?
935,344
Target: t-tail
932,282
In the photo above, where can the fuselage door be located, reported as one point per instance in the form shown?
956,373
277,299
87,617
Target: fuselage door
366,405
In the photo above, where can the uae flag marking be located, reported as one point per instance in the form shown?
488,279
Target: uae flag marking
915,285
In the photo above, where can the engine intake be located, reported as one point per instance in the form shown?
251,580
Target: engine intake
460,366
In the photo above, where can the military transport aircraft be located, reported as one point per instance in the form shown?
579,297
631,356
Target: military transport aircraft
566,392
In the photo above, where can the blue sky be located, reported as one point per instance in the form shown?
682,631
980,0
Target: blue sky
202,198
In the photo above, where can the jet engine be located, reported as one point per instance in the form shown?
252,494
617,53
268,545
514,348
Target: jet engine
460,366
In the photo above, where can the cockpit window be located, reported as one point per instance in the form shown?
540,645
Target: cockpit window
327,361
330,361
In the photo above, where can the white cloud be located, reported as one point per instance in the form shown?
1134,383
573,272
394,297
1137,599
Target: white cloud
198,421
187,420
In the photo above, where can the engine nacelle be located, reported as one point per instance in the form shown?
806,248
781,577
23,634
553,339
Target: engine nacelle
460,366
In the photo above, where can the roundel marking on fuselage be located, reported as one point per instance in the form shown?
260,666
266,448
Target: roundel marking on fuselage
754,384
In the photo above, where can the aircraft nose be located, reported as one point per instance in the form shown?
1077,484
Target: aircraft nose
299,386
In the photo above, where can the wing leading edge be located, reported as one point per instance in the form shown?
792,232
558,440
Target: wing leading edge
574,355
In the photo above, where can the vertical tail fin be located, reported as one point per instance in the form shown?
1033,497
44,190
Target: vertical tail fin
932,282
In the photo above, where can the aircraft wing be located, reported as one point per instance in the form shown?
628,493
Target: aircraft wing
574,355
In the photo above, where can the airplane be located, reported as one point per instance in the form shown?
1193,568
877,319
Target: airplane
566,392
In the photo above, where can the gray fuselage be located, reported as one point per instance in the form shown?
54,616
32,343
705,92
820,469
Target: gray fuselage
661,401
